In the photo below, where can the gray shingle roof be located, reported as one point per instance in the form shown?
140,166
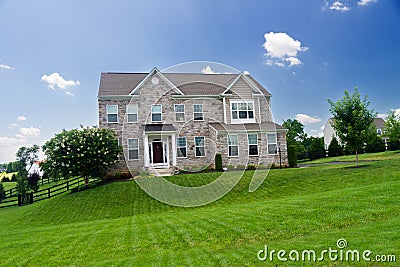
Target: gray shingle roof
265,127
188,83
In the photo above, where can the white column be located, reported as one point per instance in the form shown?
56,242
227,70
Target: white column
146,150
167,149
173,150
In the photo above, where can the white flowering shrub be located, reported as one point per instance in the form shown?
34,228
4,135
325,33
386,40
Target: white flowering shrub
80,152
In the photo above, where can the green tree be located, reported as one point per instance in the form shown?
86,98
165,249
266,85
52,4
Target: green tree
352,119
9,167
393,130
26,157
295,132
374,142
2,192
79,151
334,149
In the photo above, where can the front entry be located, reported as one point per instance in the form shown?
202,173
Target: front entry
158,152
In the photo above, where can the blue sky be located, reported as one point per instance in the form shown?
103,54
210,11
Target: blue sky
303,52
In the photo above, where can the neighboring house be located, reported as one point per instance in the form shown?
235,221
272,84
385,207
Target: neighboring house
180,120
329,132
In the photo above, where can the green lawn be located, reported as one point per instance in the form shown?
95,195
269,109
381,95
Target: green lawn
119,225
352,158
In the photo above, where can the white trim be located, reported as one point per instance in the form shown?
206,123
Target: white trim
202,112
237,137
195,96
151,111
246,80
173,140
118,97
112,113
184,111
259,110
127,142
204,146
127,114
248,146
146,150
224,103
162,76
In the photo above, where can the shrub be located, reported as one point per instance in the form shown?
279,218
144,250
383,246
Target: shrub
118,176
5,179
33,180
13,178
334,149
273,166
125,175
251,167
218,162
2,192
109,177
292,158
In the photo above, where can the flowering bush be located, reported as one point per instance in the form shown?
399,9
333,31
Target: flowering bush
80,151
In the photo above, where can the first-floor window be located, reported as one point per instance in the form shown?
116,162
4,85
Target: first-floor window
253,144
181,147
233,146
272,144
199,145
112,113
133,148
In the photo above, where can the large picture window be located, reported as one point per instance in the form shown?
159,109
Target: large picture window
112,113
198,112
242,110
253,144
181,147
156,113
179,112
133,148
132,113
272,144
200,146
233,146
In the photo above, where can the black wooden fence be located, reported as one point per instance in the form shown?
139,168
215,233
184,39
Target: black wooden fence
13,199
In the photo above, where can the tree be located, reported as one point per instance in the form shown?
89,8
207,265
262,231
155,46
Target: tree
295,132
2,192
393,130
26,157
374,142
334,149
316,147
79,151
9,167
352,119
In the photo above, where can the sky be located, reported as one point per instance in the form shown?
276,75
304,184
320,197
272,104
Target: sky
303,52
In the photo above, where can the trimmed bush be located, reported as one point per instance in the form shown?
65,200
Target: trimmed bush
2,192
292,158
218,162
251,167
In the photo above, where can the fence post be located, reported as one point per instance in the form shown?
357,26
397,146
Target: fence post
67,185
19,199
31,198
48,192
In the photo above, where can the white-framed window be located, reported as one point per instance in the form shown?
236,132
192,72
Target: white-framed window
133,148
181,147
242,111
132,112
179,112
253,144
112,113
198,112
272,143
233,145
156,112
199,146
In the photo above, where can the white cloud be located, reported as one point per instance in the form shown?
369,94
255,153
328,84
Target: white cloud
21,118
366,2
246,72
281,49
397,111
31,131
7,141
382,116
5,66
12,126
69,93
339,6
316,133
56,80
209,70
307,119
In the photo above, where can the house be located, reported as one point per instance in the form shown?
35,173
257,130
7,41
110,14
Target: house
329,132
175,121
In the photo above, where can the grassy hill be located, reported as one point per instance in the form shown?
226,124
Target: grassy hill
119,224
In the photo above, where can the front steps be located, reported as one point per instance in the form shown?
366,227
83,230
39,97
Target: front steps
162,171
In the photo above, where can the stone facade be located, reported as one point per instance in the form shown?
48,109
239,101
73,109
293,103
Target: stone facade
156,89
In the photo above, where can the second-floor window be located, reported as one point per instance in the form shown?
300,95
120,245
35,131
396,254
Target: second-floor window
112,113
132,113
179,112
242,111
156,113
198,112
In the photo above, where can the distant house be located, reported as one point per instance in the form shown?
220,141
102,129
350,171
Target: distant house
181,120
329,132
